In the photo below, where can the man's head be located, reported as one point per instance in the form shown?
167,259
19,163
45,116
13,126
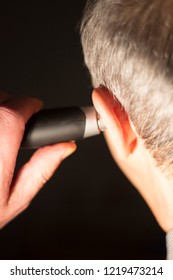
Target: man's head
128,48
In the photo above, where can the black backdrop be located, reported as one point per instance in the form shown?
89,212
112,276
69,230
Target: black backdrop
88,210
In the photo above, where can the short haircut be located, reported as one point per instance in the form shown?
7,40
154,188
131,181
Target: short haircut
128,48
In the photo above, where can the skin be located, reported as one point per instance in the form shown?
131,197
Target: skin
133,158
125,145
16,192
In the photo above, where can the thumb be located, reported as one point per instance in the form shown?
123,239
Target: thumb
37,171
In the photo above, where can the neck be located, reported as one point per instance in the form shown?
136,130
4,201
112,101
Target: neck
154,187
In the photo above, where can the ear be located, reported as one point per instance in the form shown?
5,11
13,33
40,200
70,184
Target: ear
119,132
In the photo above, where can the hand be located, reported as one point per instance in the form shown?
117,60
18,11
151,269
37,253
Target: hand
17,192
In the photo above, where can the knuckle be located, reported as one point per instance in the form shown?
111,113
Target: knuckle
41,178
44,177
10,118
38,179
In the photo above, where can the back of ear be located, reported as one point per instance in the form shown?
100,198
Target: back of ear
119,132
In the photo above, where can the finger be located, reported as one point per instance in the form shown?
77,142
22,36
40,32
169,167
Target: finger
14,113
37,172
23,106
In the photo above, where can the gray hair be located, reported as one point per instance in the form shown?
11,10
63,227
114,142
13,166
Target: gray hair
128,48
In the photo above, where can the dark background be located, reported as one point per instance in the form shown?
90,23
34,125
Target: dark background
88,210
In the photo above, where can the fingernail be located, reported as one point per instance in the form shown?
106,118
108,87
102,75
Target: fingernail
70,150
39,105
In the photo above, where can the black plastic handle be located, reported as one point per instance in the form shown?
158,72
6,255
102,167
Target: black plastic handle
51,126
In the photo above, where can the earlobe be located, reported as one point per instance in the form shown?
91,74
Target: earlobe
119,132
